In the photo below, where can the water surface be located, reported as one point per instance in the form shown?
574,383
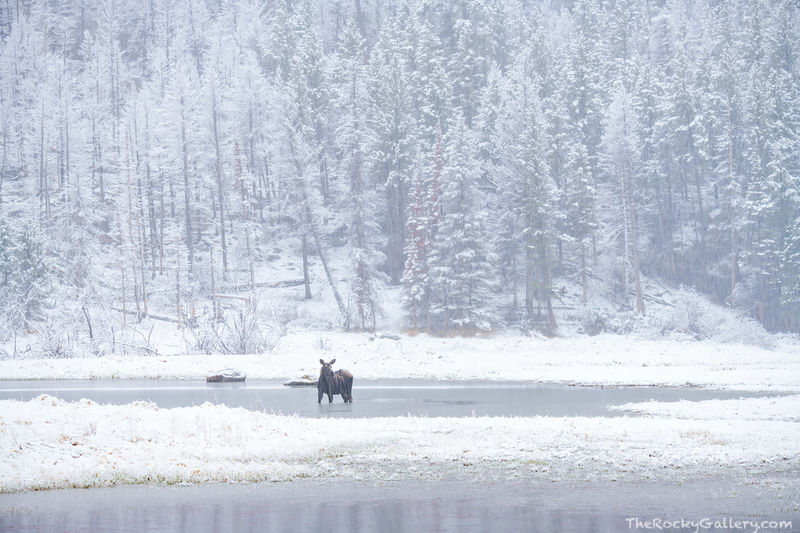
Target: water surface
372,398
331,506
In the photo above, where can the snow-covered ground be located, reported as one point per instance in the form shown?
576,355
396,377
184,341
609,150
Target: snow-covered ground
48,443
770,408
598,360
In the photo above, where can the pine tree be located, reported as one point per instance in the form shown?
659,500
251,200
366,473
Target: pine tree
790,271
586,91
425,213
24,268
392,159
354,139
622,159
559,133
430,84
416,277
580,209
460,263
529,196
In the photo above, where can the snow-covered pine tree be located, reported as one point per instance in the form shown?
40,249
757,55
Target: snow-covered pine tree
473,46
790,270
528,199
416,278
354,140
430,85
622,162
391,119
587,94
460,262
425,212
580,217
25,256
559,132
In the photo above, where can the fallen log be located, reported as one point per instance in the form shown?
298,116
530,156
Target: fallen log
304,381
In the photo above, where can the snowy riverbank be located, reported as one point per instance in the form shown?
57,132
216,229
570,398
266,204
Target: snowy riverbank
600,360
49,443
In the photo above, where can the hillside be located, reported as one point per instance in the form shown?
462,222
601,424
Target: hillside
262,320
223,173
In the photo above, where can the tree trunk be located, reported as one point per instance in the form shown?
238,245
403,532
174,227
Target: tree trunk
546,283
178,285
186,189
131,235
321,252
396,229
583,273
124,301
250,259
151,208
88,322
634,244
530,276
218,171
306,279
214,303
360,19
161,230
41,161
731,209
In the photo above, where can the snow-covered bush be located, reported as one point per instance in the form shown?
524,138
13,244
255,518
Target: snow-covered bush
52,341
594,320
692,316
323,343
251,330
201,337
23,274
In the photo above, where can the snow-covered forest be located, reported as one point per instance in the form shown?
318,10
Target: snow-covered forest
164,158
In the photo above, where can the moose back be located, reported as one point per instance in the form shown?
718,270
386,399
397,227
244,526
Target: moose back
330,383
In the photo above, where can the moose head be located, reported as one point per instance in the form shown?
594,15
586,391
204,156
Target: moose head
326,371
330,382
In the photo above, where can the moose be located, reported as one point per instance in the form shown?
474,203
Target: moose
330,383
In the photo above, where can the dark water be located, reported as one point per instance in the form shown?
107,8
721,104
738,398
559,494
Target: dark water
371,398
416,507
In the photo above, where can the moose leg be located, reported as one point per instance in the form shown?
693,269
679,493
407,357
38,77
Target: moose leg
330,397
319,396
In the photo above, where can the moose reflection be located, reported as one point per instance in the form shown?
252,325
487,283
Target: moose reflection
330,383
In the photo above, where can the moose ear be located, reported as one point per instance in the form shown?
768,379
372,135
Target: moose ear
332,361
321,362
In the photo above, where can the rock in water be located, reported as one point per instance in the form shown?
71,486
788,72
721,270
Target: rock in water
226,376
